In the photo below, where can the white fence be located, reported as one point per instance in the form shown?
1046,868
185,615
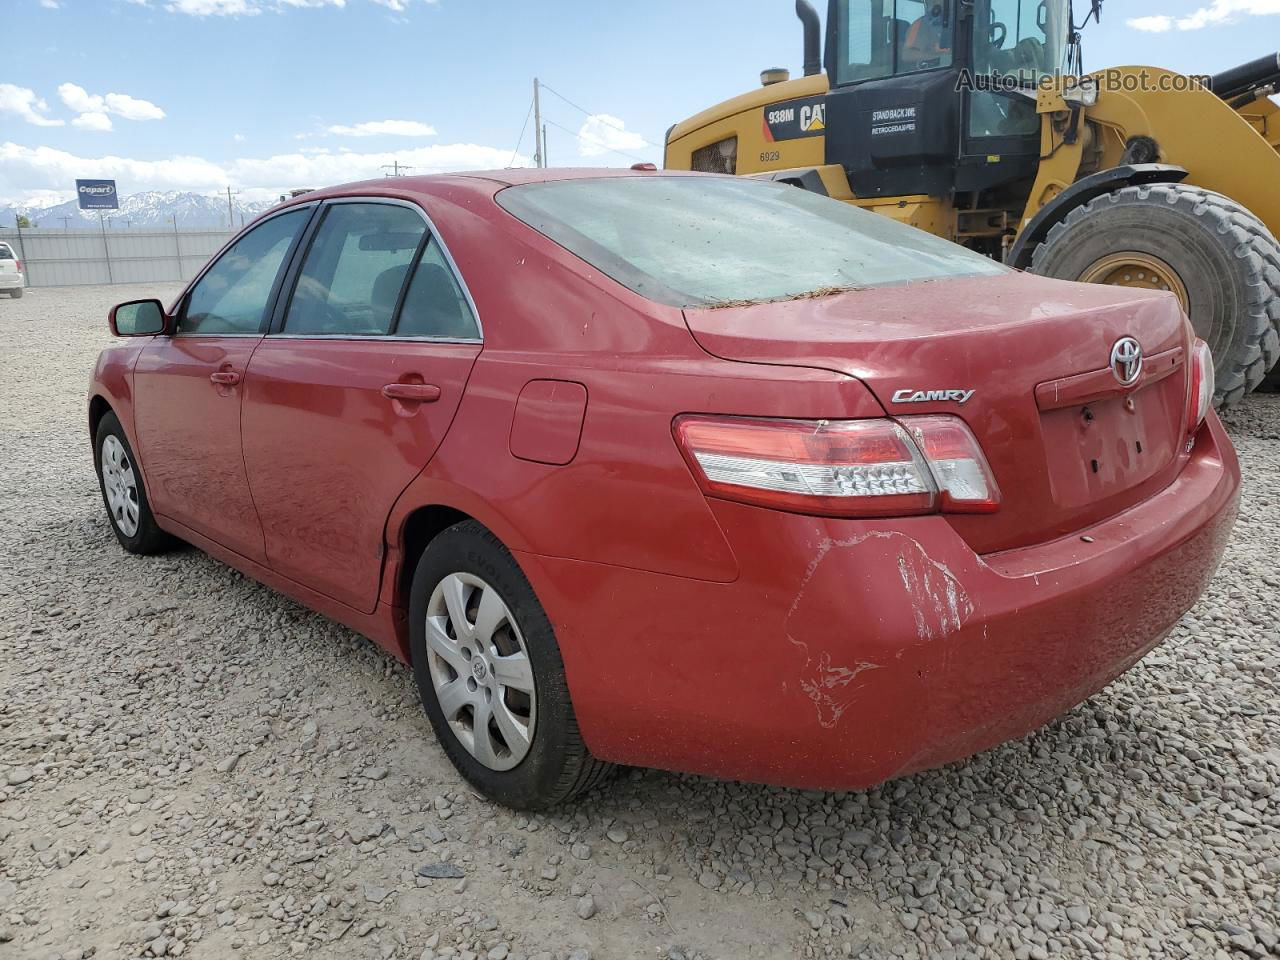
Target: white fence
69,257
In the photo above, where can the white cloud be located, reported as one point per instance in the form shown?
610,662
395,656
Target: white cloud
1158,23
93,108
387,128
26,104
50,4
1218,12
215,8
602,133
250,8
28,170
79,99
238,137
92,120
131,108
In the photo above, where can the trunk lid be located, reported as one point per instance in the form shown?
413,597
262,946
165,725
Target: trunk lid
1068,443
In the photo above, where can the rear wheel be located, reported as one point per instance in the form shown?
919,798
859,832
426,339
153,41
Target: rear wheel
16,293
1217,258
490,675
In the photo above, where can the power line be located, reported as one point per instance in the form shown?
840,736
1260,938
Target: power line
584,110
598,143
522,132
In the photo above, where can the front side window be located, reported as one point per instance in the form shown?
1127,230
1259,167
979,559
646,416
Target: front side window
233,295
354,271
881,38
701,241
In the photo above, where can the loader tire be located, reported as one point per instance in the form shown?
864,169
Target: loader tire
1219,259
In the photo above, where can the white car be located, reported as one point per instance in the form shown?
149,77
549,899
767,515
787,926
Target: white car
12,280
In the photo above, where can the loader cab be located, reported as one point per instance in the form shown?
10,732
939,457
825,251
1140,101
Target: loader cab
924,94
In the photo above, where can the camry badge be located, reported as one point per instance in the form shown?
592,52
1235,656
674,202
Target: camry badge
909,395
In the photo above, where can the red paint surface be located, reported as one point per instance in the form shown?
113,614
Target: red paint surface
699,634
547,424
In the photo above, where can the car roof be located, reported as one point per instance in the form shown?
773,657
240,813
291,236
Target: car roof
483,181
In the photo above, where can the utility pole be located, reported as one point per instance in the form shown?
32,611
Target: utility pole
395,166
545,162
64,218
538,159
106,248
177,245
231,217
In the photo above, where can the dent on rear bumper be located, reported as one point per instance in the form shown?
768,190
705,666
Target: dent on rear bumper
849,653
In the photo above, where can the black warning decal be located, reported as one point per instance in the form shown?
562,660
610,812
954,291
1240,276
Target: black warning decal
893,120
794,119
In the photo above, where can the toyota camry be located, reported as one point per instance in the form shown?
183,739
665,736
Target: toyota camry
676,470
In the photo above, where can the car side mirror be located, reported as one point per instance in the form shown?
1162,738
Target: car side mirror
138,318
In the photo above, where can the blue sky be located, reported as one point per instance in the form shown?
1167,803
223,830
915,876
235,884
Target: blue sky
270,94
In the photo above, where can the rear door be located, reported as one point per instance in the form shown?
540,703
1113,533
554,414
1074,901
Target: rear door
351,393
189,386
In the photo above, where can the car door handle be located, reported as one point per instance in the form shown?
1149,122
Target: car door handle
225,378
414,392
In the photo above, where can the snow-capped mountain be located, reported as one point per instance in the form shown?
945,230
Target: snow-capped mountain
151,208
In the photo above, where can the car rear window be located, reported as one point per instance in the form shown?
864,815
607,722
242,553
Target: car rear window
704,241
6,253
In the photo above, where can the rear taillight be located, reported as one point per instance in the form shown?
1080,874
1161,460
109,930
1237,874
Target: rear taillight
862,468
965,482
1200,396
17,265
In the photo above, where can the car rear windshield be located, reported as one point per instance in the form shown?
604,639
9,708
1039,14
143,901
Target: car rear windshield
705,241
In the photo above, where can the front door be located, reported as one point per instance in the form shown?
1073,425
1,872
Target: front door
350,395
189,386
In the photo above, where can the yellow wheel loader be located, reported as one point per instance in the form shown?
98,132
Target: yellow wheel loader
971,119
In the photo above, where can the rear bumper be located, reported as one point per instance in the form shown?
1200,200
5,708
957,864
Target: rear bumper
12,282
852,652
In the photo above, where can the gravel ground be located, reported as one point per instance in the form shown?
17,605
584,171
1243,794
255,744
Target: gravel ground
192,765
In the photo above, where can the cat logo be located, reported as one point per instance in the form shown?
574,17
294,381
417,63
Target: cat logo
813,117
794,119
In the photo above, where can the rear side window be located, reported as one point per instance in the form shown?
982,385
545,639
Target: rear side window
435,305
232,296
354,271
701,241
6,253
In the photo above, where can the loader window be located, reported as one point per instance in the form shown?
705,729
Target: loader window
1024,38
702,241
882,38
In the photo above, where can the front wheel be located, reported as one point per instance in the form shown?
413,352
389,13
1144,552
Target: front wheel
490,675
1214,255
123,491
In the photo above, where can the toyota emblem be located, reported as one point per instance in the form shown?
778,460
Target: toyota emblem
1126,360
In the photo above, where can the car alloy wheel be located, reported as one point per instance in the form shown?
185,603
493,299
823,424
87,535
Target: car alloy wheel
480,671
121,485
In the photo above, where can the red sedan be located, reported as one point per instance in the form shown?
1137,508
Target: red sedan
693,472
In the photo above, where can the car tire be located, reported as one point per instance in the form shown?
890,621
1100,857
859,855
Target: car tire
1223,258
16,293
519,747
123,491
